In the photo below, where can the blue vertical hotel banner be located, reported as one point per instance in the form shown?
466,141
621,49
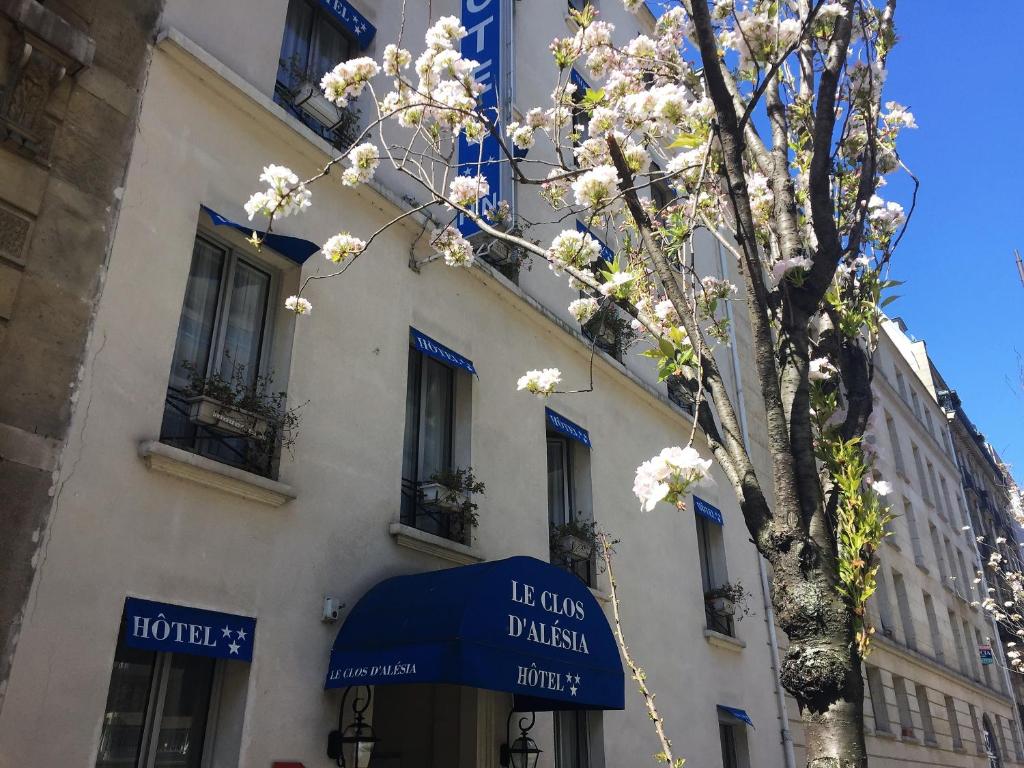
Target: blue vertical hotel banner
487,42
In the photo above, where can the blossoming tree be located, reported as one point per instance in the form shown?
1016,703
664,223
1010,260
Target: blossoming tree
767,126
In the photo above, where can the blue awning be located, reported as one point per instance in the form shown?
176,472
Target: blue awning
517,625
294,248
563,426
739,714
582,86
606,253
709,511
439,351
353,21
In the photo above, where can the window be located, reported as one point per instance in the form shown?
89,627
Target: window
916,404
661,193
569,506
718,610
951,580
224,338
954,723
313,44
959,640
992,746
985,668
933,488
945,500
972,651
965,589
906,617
928,423
572,739
879,707
901,385
940,557
894,440
899,685
733,739
884,604
915,540
921,477
158,705
609,331
979,743
933,627
925,708
436,446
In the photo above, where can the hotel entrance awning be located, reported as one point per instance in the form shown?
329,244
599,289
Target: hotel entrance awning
517,625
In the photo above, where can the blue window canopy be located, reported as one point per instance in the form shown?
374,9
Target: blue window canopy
352,20
606,253
439,351
565,427
517,625
739,714
293,248
709,511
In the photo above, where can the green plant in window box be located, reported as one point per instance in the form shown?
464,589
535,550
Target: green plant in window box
575,539
451,492
239,407
728,600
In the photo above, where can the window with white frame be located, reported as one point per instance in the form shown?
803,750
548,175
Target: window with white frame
732,737
163,710
570,516
572,739
221,382
436,447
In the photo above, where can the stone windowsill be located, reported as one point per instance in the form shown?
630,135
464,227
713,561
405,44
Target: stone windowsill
910,739
438,546
884,734
201,470
727,642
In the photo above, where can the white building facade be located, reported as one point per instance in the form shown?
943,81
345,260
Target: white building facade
937,691
175,530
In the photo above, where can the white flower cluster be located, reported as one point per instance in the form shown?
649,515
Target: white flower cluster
784,266
347,80
596,187
881,487
668,476
617,285
298,305
820,369
885,217
341,246
574,249
466,190
541,383
364,160
395,60
457,250
583,309
284,195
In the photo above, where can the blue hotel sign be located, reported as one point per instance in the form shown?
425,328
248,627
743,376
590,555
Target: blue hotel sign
357,24
166,627
706,510
483,43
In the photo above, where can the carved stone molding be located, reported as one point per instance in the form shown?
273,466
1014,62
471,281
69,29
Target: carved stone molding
44,48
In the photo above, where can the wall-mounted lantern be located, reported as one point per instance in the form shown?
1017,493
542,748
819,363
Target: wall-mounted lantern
351,747
523,752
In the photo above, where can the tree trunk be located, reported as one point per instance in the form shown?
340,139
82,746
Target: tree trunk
821,668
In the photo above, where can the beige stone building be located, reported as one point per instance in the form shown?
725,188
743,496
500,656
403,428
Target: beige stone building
185,581
930,699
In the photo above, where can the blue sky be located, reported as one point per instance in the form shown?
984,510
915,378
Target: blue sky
962,80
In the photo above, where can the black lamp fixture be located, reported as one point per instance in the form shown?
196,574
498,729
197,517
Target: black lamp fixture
351,747
523,752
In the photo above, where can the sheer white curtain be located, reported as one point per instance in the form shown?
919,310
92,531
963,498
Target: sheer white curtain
199,311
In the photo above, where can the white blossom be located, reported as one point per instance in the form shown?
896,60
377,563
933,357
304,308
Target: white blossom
284,196
820,369
583,309
298,305
456,250
347,80
364,160
881,487
617,284
573,248
596,187
668,475
466,190
341,246
541,383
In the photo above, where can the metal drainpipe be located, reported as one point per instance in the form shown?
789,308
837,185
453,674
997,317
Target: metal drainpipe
769,612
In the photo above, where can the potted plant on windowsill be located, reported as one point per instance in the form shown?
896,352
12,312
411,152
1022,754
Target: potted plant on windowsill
450,493
574,540
240,407
727,600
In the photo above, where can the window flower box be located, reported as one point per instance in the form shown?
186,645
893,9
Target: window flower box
438,495
722,606
572,546
210,412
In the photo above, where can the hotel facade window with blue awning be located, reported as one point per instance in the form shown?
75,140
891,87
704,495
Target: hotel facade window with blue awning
518,625
172,664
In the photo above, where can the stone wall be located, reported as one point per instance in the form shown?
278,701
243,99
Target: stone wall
71,78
